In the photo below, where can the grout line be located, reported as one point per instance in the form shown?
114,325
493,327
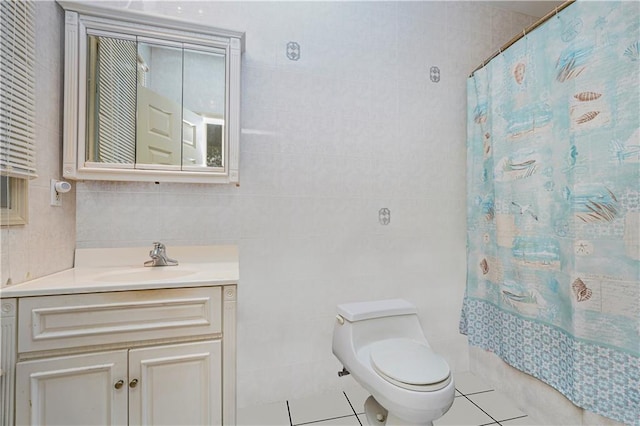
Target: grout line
352,409
289,412
514,418
324,420
496,421
479,392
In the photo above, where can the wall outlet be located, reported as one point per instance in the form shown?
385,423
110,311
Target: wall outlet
56,198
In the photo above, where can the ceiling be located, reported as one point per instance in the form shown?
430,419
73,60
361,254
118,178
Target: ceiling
529,7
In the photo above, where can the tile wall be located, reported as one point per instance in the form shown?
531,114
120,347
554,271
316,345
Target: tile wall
370,116
46,244
361,120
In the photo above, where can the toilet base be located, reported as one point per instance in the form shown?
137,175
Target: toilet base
377,415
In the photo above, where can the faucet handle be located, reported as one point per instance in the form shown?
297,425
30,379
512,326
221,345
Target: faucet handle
159,256
158,248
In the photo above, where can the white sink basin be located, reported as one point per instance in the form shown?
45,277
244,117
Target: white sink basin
158,273
120,269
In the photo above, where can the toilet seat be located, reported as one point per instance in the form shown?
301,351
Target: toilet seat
409,364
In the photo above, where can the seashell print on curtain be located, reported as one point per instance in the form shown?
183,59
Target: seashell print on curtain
553,210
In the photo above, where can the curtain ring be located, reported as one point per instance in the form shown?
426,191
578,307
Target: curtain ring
556,11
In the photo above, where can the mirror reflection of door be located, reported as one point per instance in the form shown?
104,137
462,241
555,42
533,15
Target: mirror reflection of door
159,130
194,147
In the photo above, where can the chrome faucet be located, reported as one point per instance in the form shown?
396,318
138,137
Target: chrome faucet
159,256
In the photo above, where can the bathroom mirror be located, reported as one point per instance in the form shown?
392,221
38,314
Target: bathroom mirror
148,100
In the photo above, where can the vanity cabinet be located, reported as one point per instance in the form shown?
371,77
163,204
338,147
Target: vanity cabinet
143,357
171,384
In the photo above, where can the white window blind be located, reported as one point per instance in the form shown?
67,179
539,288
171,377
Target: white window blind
17,87
116,92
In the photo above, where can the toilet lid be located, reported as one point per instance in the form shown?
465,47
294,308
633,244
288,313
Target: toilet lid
409,362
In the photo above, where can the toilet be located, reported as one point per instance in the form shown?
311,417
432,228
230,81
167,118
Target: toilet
381,344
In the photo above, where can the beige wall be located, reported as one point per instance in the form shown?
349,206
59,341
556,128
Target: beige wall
46,244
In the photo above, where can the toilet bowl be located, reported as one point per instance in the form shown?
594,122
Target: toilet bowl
381,344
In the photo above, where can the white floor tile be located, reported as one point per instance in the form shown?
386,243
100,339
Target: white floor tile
463,413
497,405
522,421
318,408
342,421
263,415
467,382
357,397
333,409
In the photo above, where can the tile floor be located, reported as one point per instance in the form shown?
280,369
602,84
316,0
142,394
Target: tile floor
475,404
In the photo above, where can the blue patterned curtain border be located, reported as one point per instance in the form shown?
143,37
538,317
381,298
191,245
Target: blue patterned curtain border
594,377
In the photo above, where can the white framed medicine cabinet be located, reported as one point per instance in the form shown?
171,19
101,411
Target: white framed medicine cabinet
149,98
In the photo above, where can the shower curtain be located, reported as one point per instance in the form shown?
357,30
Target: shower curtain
553,196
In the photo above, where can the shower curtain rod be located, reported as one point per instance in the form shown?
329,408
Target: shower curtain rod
527,30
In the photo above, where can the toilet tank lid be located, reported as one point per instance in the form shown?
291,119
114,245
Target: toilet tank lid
359,311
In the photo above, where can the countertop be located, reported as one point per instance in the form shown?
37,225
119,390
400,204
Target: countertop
121,269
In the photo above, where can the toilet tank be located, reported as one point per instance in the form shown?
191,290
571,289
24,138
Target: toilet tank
367,322
359,311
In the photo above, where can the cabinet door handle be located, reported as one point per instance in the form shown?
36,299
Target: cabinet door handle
119,384
133,383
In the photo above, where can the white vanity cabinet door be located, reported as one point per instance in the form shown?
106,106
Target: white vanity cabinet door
176,384
73,390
